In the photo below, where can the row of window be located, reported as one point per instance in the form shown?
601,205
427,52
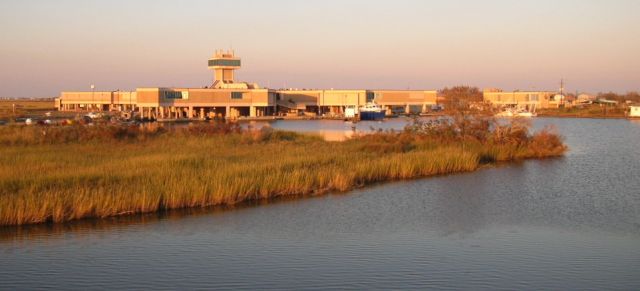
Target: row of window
175,94
509,97
185,95
224,63
371,96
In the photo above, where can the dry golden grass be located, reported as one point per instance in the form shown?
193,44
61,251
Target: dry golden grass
587,111
27,104
59,174
23,107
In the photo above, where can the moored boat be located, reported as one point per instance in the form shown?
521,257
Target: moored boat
371,111
513,112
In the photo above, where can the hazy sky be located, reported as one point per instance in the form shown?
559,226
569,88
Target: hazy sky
49,46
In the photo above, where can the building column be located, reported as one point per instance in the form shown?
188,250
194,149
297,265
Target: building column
424,107
190,112
407,109
228,112
252,111
202,113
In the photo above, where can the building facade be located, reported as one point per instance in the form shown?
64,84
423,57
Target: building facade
226,98
525,99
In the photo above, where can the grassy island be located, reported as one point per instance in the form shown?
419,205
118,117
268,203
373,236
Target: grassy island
62,173
587,111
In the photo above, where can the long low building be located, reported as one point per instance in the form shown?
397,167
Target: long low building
529,99
334,102
226,98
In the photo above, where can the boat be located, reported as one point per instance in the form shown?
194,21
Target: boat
525,113
371,111
516,112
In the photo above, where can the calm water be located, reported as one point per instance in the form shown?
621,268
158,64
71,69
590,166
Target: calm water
568,223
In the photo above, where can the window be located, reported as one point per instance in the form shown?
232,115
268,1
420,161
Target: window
175,94
236,95
370,96
533,97
224,63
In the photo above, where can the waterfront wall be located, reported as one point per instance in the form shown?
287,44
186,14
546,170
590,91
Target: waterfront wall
232,103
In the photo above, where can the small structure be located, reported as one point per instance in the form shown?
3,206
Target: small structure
585,98
606,101
634,111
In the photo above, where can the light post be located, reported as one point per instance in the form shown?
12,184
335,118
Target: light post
93,87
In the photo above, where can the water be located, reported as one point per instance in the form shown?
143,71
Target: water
333,130
567,223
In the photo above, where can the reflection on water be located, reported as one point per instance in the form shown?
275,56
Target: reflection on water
47,231
567,223
333,130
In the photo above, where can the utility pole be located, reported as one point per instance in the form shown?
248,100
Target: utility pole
562,91
93,87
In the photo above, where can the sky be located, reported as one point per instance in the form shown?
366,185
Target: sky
63,45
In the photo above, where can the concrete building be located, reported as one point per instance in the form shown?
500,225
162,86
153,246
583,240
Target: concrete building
335,102
525,99
227,98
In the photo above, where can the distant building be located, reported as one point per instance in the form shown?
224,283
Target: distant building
606,101
537,99
585,97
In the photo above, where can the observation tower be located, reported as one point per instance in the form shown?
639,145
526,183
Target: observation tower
223,65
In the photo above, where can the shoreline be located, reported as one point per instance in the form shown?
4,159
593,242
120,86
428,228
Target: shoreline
11,231
255,202
203,166
580,116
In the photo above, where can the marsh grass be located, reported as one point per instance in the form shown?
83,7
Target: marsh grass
57,174
586,111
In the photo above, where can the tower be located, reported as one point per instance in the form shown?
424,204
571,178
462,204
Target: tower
223,65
